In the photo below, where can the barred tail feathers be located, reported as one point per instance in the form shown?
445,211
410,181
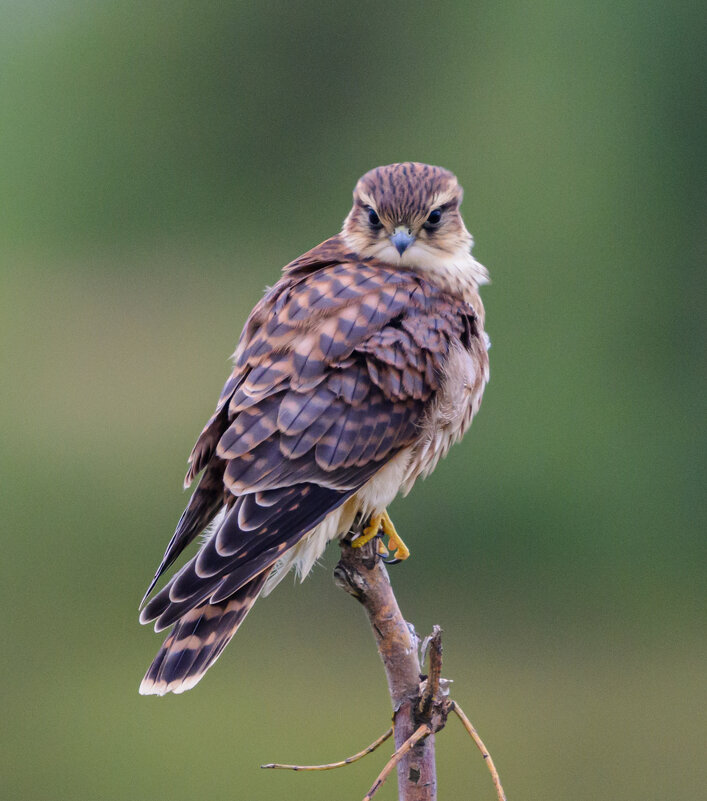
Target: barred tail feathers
197,640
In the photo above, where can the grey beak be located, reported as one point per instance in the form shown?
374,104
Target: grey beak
402,240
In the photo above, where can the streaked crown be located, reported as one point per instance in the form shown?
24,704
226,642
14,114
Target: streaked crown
404,192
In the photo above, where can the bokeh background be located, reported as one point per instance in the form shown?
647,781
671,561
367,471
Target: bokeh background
160,162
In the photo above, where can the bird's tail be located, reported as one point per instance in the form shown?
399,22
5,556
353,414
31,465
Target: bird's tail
197,640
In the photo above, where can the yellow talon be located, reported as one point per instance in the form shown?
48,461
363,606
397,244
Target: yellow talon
369,532
394,541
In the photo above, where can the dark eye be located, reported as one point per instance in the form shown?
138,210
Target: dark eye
373,219
434,218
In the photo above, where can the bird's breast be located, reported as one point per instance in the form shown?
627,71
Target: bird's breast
449,415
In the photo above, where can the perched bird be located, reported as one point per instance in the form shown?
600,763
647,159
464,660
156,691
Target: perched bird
353,376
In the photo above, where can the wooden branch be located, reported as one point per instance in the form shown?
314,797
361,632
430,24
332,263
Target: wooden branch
422,731
361,573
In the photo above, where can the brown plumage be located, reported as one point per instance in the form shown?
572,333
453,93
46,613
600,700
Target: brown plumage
352,376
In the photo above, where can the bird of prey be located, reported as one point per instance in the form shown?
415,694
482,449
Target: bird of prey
353,376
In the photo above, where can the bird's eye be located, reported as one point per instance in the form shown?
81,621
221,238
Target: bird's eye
434,217
373,219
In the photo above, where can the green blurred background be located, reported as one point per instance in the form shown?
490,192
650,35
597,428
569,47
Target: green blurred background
160,162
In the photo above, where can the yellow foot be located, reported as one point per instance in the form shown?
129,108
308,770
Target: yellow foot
394,541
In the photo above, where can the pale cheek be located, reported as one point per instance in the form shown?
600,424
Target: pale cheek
420,253
360,242
439,247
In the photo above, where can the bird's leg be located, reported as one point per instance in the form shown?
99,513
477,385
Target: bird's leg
383,521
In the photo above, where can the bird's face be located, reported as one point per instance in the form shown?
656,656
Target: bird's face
408,215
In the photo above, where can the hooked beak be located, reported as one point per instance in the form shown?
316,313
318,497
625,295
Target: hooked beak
402,239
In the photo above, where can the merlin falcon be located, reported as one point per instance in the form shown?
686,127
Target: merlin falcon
353,376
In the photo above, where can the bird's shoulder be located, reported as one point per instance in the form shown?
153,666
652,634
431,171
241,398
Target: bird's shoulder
331,281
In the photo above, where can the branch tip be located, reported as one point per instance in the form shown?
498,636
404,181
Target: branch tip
432,686
331,765
468,725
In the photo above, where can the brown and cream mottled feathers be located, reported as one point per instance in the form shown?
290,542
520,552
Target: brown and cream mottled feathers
353,376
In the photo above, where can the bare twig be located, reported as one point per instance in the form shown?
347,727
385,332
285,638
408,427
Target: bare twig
484,751
331,765
422,731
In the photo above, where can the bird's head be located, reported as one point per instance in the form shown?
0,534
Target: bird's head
408,215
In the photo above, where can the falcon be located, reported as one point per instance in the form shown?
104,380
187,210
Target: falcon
352,377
